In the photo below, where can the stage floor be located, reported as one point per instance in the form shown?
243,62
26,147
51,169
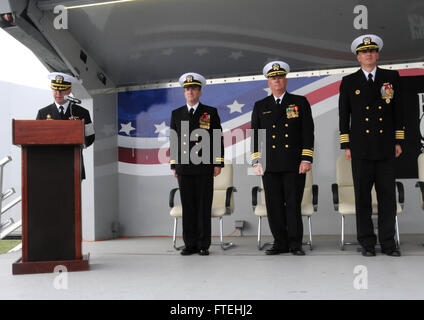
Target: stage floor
149,268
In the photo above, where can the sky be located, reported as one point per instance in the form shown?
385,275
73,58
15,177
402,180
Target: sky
19,65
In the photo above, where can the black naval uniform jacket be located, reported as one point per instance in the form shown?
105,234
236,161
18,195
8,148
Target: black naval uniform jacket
371,116
79,113
181,147
289,133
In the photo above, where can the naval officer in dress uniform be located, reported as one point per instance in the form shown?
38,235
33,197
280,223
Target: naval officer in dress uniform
196,157
61,109
372,133
283,158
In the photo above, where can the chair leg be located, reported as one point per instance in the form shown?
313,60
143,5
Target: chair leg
342,240
310,233
259,233
224,245
260,245
309,242
397,233
174,236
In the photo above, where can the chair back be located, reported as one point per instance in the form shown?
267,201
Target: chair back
307,193
344,179
220,185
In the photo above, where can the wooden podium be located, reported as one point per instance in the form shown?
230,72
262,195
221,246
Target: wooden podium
51,195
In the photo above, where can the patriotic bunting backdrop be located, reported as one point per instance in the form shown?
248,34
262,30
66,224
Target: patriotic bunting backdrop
144,115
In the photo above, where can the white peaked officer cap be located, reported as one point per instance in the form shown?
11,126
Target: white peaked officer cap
192,79
61,81
366,42
276,68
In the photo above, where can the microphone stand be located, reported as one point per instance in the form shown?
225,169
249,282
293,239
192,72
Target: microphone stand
71,103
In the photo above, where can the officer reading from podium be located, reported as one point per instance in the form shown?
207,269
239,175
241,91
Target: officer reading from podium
65,109
197,155
371,133
284,158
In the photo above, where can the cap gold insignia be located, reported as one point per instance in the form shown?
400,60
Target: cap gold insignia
357,92
49,117
275,67
189,79
59,79
367,40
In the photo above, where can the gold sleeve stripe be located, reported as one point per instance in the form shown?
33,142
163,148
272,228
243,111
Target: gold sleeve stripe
220,159
344,138
307,152
255,155
400,136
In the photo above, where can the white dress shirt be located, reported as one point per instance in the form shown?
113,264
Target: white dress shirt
367,73
65,106
194,107
281,98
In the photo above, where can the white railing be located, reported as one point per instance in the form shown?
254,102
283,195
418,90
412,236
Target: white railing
8,226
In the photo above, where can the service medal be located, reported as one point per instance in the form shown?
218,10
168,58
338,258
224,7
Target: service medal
387,92
292,111
205,121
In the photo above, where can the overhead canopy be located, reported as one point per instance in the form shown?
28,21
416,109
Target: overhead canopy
148,41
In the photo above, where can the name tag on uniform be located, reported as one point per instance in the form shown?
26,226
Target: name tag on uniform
292,111
266,112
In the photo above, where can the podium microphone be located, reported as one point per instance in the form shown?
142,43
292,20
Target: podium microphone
72,99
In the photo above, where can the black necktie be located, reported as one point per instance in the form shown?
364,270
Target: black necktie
191,113
278,101
62,115
370,80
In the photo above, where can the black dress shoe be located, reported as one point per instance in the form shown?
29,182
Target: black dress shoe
275,250
204,252
297,252
368,252
392,253
187,252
